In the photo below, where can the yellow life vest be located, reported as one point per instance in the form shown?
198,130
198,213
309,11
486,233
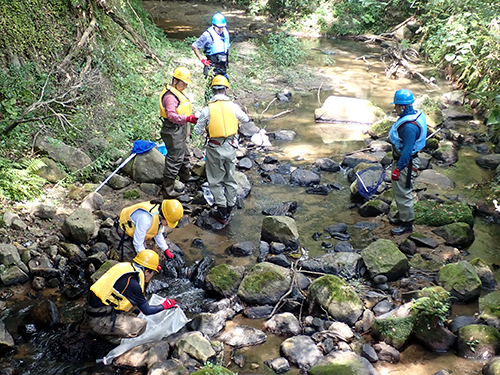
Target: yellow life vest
104,287
223,121
128,226
185,107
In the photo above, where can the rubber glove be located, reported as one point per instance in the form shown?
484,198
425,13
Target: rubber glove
206,62
192,119
168,254
168,304
395,174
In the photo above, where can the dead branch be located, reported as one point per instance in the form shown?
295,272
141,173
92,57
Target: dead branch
271,102
319,90
278,115
131,33
78,47
292,284
405,22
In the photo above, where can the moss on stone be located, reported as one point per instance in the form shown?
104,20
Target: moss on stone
335,288
489,305
223,277
258,281
439,214
394,331
337,369
486,335
131,194
380,128
459,277
417,262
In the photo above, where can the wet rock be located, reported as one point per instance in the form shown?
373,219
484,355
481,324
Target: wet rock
366,322
278,365
285,135
336,228
446,152
271,160
280,229
13,275
287,208
38,283
485,273
383,307
365,225
478,341
73,253
264,250
277,248
374,207
482,149
195,345
488,161
387,353
45,315
343,247
421,240
343,263
242,336
79,227
301,350
277,179
461,280
457,113
492,367
6,340
207,222
431,177
248,129
265,283
339,362
337,297
241,249
224,279
304,178
199,270
408,247
369,353
245,163
319,190
258,312
461,321
327,165
285,324
280,260
382,257
207,323
456,234
43,267
433,335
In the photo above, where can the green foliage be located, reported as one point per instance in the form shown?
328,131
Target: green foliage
434,305
355,17
18,180
471,343
214,369
285,50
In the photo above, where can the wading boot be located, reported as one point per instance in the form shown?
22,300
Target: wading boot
395,221
220,214
185,175
405,227
168,190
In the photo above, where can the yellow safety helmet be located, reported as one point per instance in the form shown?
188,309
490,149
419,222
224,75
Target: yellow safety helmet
220,81
183,74
172,211
148,259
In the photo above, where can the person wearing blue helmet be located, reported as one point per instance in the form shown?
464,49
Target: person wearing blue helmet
407,136
214,43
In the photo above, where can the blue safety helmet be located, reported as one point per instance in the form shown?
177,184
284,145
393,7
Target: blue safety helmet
403,97
219,20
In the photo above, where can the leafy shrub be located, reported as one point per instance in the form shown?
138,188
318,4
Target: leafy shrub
285,50
433,305
18,180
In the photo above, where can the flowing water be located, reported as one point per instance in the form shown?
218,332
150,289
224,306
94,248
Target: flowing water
350,76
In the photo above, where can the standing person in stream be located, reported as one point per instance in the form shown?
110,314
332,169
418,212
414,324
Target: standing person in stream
407,136
214,43
115,294
177,112
220,121
146,220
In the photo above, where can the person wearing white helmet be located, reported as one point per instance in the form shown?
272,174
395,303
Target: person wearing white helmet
407,136
176,112
113,297
214,43
220,121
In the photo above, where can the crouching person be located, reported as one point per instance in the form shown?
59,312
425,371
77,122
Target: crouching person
113,297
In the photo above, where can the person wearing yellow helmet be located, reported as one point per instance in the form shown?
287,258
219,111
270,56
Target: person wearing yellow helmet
220,121
176,112
146,220
118,291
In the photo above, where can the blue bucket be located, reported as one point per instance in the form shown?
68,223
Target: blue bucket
162,149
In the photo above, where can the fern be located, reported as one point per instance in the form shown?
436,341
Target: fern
18,181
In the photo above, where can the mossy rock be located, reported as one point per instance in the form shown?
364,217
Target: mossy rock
380,129
478,341
264,284
461,280
432,144
393,331
219,370
103,269
440,214
434,291
419,263
456,234
337,297
383,257
131,194
224,279
489,306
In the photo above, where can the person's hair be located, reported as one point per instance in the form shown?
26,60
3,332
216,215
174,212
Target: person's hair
219,91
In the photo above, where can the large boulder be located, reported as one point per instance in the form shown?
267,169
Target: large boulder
478,341
146,167
337,297
194,345
430,177
241,336
383,257
71,157
456,234
9,256
301,350
264,284
280,229
284,324
342,109
461,280
79,227
224,279
488,308
490,161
